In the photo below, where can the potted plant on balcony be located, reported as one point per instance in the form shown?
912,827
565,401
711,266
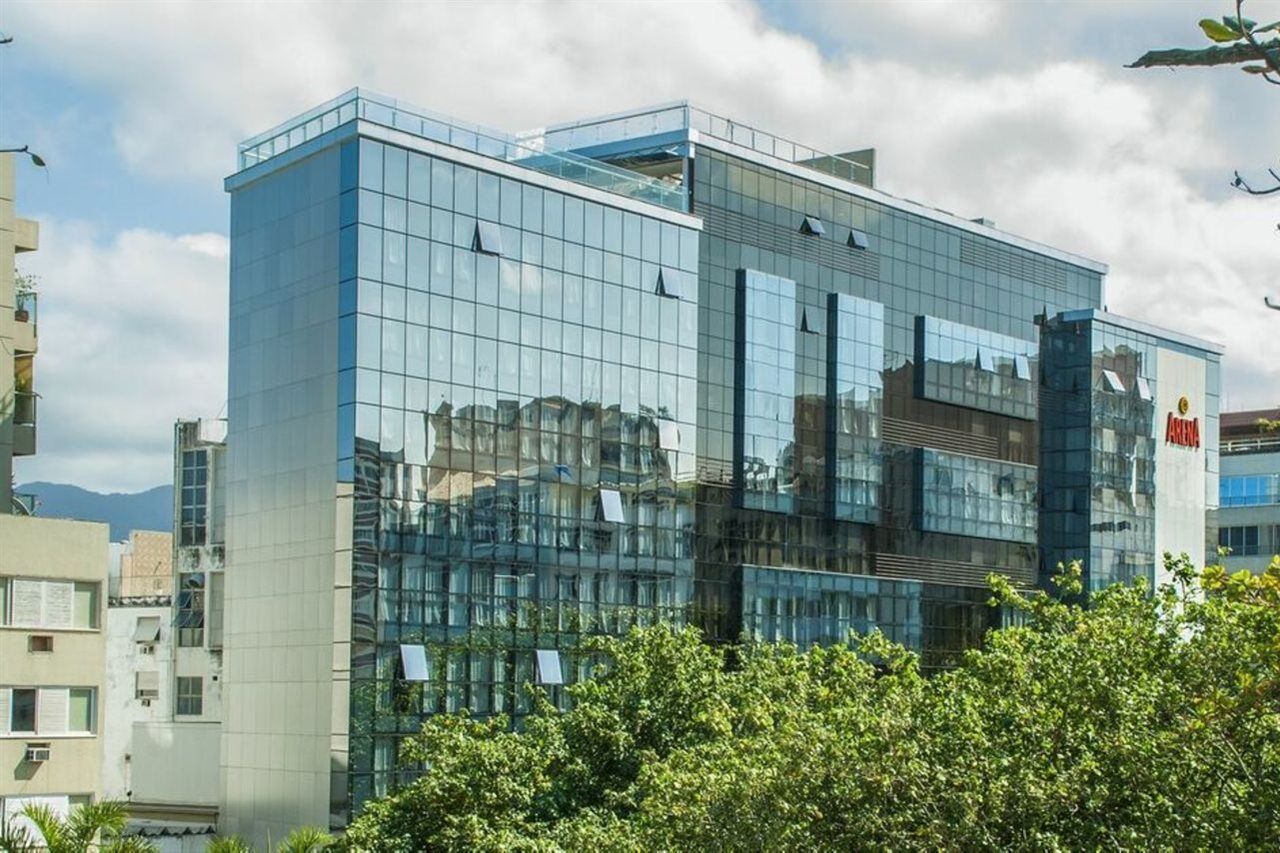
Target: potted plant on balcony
24,287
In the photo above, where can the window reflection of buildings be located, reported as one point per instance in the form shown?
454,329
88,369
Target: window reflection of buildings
1122,491
506,512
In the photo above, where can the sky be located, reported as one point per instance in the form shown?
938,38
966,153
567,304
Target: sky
1019,112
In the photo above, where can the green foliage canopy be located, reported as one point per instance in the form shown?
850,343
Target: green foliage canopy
1140,720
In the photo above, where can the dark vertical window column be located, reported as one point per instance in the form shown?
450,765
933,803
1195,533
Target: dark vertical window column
195,472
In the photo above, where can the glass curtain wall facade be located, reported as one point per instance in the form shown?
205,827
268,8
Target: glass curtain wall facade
928,353
481,408
516,409
1102,433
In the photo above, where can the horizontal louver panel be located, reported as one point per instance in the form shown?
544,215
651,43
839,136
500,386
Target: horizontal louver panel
944,571
914,434
1011,263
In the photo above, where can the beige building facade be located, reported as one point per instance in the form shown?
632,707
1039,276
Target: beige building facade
146,565
17,340
53,576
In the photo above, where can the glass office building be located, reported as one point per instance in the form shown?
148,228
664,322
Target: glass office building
490,394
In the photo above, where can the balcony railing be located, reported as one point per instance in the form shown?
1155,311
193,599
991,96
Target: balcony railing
530,153
24,311
669,117
1269,444
24,408
24,503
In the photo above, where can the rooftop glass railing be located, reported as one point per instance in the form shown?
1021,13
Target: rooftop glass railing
663,119
530,152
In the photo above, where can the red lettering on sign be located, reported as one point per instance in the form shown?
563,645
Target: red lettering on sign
1184,432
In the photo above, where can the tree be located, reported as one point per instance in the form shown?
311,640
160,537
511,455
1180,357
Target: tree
1238,41
94,827
304,839
1135,719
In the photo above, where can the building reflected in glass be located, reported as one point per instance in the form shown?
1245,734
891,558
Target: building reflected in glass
491,395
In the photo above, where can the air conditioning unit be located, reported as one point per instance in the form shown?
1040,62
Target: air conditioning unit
146,703
36,753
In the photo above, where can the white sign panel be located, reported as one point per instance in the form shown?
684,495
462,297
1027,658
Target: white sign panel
1180,459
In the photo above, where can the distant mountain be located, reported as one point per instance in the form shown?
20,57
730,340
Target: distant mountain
149,510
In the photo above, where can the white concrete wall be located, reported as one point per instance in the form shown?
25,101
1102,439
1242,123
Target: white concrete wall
1180,471
121,709
176,763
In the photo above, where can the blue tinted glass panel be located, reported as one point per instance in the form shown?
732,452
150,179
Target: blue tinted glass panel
765,424
976,368
855,390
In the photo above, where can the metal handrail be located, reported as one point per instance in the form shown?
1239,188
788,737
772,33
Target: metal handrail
24,308
24,408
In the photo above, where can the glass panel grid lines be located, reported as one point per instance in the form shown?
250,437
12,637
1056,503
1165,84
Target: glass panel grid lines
970,496
976,368
764,437
804,607
855,356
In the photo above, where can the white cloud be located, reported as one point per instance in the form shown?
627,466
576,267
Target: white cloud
1073,151
132,337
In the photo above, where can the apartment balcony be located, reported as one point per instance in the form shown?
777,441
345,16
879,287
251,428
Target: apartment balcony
26,234
24,327
24,423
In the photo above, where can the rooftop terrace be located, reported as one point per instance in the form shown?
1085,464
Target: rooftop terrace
531,153
683,116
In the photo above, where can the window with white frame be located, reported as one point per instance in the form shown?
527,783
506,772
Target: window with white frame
48,604
45,711
190,696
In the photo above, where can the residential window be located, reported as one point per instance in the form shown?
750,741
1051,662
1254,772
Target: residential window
146,684
22,705
80,710
190,616
193,513
30,711
1243,541
190,699
32,603
85,613
146,629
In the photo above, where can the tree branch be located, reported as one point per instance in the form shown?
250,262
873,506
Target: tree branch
1272,58
1241,184
1231,54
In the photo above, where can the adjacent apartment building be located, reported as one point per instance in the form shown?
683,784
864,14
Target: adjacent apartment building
53,577
1249,497
490,394
165,668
